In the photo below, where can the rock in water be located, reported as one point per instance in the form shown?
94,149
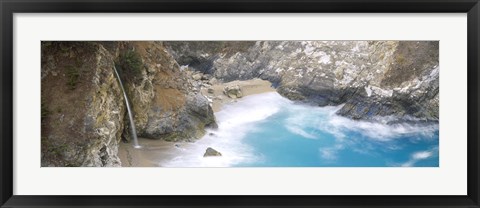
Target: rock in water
211,152
233,91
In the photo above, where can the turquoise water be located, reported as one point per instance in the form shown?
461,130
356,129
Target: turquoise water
267,130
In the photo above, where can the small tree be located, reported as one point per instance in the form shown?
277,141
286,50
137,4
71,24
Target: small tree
131,63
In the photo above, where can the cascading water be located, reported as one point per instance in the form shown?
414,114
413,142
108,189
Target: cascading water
133,131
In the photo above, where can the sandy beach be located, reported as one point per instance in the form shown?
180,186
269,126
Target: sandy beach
151,154
247,87
154,153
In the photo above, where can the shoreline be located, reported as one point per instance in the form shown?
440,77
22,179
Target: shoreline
154,153
151,154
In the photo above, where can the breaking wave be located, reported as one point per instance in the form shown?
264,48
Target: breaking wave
239,121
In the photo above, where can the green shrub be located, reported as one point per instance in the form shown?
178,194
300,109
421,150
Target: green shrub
72,77
131,62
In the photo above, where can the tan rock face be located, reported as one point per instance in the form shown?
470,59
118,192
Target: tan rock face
233,91
164,107
82,106
83,111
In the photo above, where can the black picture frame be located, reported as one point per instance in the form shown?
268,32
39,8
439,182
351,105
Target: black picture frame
9,7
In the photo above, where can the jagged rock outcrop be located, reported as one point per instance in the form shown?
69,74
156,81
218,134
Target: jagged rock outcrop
83,110
164,106
372,78
82,106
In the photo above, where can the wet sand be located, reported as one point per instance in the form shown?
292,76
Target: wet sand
151,154
154,153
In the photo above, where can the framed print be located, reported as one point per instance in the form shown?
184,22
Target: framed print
239,104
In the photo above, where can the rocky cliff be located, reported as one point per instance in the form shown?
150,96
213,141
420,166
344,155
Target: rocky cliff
82,106
383,80
83,110
164,106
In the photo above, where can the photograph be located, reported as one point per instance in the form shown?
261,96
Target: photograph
270,103
243,104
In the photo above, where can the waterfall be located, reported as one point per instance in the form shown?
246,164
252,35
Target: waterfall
133,131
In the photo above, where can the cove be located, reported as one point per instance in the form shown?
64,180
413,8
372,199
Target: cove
267,130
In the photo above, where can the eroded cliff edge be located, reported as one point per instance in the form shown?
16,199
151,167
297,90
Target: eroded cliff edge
83,110
375,80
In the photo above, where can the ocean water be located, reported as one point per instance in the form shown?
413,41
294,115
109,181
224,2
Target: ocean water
267,130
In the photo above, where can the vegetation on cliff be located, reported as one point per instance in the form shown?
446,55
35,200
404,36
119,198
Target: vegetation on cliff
83,113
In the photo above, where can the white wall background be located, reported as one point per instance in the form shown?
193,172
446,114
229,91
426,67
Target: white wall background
448,179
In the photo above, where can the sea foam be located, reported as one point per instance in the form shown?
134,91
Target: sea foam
235,120
238,121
